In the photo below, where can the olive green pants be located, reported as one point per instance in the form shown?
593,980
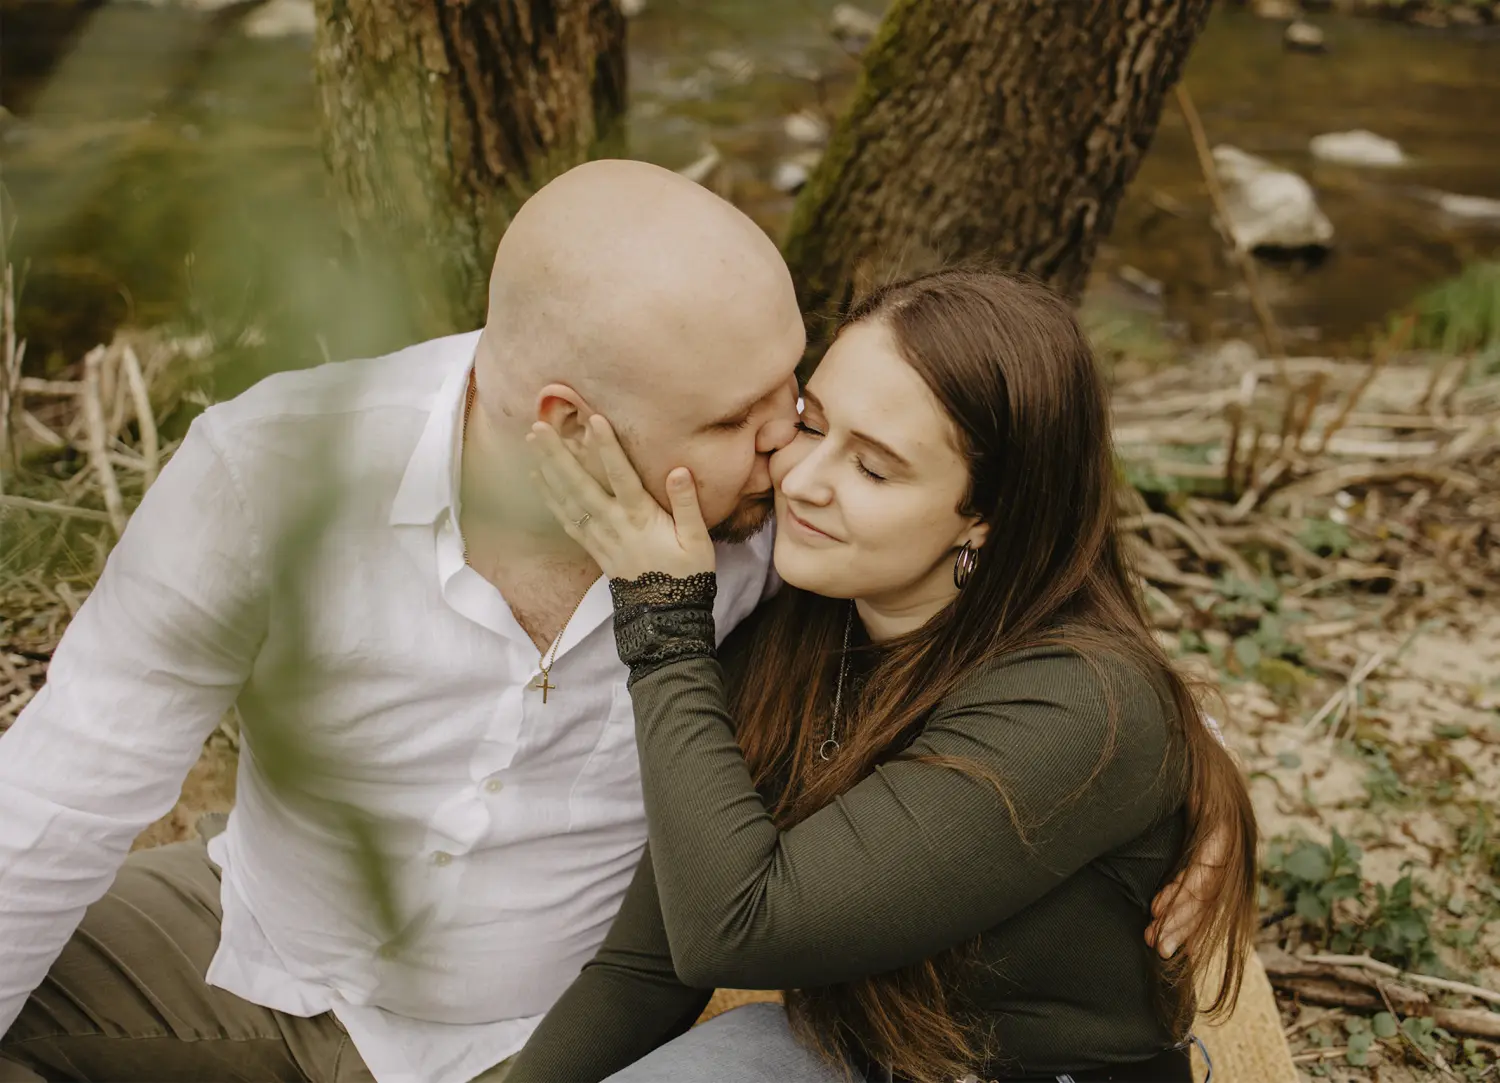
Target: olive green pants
126,1000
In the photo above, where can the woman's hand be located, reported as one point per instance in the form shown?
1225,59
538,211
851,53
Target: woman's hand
628,533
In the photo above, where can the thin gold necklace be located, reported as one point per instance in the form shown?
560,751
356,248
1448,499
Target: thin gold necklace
543,681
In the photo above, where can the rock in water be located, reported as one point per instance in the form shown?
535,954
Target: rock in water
1475,207
1357,148
1304,38
806,127
1267,206
704,167
790,175
282,19
853,27
1275,9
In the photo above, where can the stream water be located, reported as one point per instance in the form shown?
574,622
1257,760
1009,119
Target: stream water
163,171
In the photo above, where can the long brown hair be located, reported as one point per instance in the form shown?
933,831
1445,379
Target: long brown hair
1011,367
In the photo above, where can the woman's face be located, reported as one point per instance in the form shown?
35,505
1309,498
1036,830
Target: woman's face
867,494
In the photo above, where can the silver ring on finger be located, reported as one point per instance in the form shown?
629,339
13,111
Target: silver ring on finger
582,520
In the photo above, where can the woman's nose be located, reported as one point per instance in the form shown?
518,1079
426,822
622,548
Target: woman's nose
803,480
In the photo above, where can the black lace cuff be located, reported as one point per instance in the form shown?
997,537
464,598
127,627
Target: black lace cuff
660,619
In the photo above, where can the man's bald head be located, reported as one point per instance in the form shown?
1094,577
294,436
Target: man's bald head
620,278
626,289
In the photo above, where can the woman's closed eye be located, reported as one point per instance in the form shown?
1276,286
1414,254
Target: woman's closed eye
804,427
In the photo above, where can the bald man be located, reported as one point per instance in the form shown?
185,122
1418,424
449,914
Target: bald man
354,555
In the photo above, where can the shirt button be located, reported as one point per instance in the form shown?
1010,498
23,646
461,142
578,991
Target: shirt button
493,785
442,858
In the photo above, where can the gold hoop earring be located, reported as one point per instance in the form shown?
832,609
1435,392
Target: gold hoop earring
964,565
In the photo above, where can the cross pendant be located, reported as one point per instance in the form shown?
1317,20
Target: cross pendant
540,681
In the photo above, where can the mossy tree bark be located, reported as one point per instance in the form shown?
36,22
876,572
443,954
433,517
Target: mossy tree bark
997,129
441,116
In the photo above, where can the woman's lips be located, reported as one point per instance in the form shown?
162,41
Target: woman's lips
807,528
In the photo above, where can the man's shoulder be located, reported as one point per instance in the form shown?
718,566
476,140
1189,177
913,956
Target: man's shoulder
406,380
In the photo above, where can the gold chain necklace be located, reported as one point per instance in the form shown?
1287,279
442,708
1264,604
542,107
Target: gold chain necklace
543,681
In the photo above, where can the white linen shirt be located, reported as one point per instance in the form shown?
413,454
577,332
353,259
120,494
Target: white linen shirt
512,827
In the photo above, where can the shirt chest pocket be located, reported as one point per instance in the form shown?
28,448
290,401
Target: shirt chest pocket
608,789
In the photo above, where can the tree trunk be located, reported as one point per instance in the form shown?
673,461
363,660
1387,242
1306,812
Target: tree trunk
997,129
441,116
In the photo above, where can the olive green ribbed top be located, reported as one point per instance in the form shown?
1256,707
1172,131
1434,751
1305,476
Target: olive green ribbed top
915,859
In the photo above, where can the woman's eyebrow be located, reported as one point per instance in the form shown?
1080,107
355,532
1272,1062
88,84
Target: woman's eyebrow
865,438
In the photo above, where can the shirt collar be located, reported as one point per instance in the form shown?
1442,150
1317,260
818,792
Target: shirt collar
429,487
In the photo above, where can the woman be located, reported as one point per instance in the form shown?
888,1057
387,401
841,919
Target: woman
934,786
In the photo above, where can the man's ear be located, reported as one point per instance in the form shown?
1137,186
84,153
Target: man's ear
567,411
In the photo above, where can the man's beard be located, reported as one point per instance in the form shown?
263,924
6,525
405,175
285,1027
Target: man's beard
748,519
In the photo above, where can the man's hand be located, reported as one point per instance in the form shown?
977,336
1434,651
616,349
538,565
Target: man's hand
1181,908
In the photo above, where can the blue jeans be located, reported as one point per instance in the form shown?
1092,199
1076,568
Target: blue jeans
753,1044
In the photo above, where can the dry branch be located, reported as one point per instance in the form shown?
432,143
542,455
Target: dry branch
1356,988
93,413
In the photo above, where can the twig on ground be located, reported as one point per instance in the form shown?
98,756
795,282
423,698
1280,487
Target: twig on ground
1319,1054
1388,347
47,507
93,412
1353,989
1257,489
1364,962
1435,1059
141,399
1343,700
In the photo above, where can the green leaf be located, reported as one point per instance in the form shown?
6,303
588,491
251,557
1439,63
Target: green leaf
1247,653
1311,908
1451,731
1419,1030
1342,887
1289,760
1383,1024
1308,862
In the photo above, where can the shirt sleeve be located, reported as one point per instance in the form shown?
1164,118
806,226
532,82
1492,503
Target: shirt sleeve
148,666
627,1001
914,859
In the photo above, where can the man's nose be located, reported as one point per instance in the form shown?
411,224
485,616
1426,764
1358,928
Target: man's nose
780,426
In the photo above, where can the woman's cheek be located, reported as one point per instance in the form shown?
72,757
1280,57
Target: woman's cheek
786,459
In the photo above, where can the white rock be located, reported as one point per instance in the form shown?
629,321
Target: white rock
1275,9
1467,206
282,19
790,175
852,25
700,170
631,8
806,127
1267,206
1304,38
1357,148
